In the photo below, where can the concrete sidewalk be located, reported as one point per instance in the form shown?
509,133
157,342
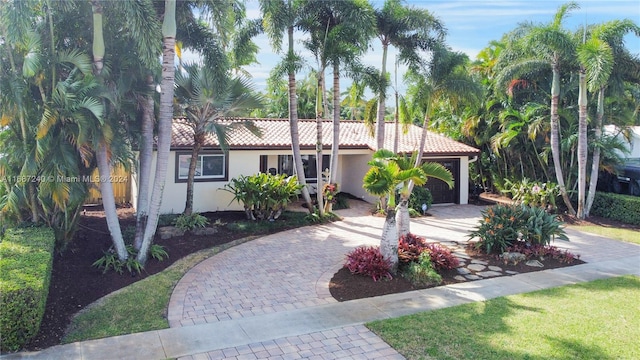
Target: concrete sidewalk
308,329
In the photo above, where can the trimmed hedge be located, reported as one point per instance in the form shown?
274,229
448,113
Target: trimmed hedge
623,208
26,260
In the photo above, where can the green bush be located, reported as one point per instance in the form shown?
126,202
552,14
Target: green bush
623,208
533,193
26,260
264,196
501,226
420,195
190,222
422,272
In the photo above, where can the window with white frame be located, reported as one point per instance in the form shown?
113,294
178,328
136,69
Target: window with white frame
286,166
209,167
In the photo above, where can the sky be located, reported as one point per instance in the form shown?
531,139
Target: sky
471,25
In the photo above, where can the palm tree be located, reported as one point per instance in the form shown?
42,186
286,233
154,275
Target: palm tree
544,46
389,171
207,101
408,29
281,16
339,33
598,54
444,76
164,126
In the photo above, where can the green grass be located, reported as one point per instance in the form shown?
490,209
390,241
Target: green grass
594,320
627,235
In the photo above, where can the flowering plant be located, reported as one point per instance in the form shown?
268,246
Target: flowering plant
329,192
533,193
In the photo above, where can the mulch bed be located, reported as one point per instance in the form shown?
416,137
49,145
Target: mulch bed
75,283
345,286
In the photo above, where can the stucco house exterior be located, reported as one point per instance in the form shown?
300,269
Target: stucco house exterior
249,154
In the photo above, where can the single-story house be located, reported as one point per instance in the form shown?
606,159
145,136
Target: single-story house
249,154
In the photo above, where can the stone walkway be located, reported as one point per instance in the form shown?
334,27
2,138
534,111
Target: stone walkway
269,298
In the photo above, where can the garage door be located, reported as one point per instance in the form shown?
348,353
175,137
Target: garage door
440,190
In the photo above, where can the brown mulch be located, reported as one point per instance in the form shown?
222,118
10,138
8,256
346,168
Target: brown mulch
75,283
345,286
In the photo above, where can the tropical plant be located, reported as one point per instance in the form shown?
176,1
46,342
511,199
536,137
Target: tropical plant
444,76
208,100
540,47
281,16
191,221
264,196
532,193
410,30
388,172
420,196
597,56
501,226
368,261
422,272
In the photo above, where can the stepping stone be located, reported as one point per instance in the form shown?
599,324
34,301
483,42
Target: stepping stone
476,267
489,273
474,261
511,272
459,278
463,271
472,277
495,268
534,263
167,232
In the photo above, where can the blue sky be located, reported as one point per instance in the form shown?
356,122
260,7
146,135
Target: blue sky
472,24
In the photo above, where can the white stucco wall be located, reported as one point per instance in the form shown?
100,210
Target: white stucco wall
209,196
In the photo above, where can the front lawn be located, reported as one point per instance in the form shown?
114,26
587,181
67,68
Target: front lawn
594,320
627,235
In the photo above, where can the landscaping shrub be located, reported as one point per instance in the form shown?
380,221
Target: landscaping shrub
26,259
623,208
420,195
502,225
525,192
264,196
422,272
441,257
410,247
341,201
368,261
190,222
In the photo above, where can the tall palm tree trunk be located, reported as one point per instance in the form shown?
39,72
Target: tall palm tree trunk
335,146
144,169
582,143
198,140
381,100
109,202
555,138
595,161
102,153
319,184
164,126
293,124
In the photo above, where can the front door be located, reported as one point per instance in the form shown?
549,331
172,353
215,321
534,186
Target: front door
440,190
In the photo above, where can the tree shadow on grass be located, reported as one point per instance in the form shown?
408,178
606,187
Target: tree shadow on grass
515,327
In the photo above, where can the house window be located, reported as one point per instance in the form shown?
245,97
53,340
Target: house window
209,167
286,165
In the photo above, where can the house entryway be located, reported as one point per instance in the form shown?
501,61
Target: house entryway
440,190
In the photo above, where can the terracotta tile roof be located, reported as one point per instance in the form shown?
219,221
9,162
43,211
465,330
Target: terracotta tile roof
353,134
